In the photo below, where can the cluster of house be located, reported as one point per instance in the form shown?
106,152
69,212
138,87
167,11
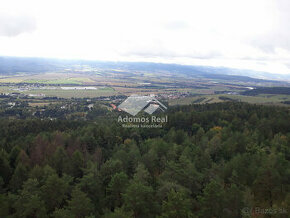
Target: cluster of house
17,94
174,95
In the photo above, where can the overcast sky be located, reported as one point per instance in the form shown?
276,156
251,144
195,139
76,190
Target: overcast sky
249,34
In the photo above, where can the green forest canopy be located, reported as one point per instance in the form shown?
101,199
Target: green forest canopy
210,160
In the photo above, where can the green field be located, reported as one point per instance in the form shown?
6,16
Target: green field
49,78
104,91
65,81
179,90
74,93
259,99
55,82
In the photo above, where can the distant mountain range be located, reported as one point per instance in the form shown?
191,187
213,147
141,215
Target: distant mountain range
17,65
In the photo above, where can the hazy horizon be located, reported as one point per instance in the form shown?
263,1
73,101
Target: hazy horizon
252,35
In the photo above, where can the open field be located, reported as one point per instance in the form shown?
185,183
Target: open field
116,82
259,99
49,78
55,82
61,93
185,87
176,93
75,93
11,80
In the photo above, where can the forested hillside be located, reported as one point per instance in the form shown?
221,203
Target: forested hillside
268,90
213,160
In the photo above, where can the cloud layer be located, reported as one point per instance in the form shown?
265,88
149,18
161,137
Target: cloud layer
13,25
251,34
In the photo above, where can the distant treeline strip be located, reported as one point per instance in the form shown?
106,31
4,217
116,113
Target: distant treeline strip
268,90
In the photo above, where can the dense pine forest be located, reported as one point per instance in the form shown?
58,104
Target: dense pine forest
226,160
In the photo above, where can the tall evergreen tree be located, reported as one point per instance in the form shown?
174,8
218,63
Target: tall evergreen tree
80,205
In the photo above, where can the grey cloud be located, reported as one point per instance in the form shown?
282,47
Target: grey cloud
176,25
276,39
13,25
280,34
288,65
164,53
